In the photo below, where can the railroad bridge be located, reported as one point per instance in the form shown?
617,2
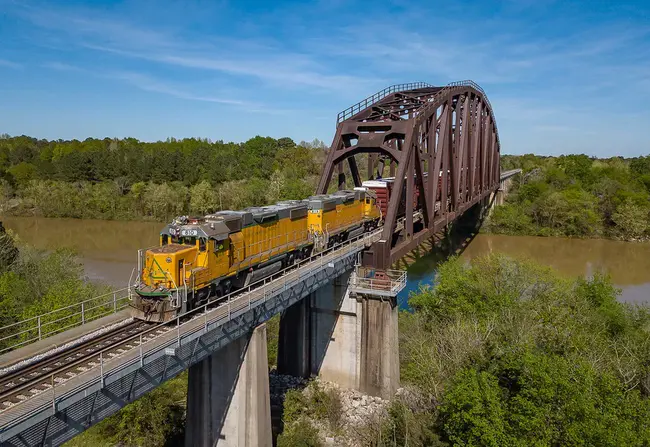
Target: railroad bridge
338,308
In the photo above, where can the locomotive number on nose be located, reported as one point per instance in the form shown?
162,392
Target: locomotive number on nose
189,232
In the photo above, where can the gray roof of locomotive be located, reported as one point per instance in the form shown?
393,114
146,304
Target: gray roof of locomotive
220,224
329,201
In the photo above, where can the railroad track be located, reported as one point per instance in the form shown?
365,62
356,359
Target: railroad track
40,376
31,380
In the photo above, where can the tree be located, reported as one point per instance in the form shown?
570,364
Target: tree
631,220
22,173
203,198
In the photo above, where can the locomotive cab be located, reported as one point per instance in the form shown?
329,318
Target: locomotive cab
191,253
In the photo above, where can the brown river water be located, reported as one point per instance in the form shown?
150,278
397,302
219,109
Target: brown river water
108,251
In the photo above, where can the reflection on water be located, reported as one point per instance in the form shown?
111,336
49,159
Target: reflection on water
107,248
628,263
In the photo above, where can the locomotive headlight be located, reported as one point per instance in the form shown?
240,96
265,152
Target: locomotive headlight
168,260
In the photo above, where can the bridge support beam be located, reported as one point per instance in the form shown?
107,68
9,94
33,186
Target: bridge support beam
294,354
348,339
380,346
228,399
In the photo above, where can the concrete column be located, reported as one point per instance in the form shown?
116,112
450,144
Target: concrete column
336,335
379,347
228,399
346,339
294,357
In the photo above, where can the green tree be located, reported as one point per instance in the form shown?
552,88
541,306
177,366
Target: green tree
203,198
472,412
631,220
22,173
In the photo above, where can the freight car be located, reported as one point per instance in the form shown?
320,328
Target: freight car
203,258
384,189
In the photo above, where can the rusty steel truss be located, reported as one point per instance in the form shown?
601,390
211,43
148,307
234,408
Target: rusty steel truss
422,133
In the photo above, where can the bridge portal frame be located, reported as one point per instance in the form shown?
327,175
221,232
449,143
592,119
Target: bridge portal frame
439,132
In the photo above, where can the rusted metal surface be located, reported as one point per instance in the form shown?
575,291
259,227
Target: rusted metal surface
422,133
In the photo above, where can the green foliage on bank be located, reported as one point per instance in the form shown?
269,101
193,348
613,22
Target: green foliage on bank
155,419
302,407
35,282
576,196
127,178
508,353
500,352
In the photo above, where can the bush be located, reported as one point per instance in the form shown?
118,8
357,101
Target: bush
301,433
516,355
314,402
576,196
405,427
155,419
326,404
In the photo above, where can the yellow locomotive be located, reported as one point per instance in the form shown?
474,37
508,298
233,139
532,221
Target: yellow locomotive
206,257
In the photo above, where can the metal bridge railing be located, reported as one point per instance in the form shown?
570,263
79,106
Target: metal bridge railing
475,86
361,105
390,283
59,320
364,104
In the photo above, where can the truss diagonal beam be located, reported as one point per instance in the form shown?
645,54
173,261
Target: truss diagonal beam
444,144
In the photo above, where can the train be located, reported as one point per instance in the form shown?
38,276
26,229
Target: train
384,188
201,259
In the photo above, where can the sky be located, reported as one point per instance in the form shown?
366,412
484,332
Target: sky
562,76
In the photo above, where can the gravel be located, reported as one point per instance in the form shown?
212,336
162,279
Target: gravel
63,347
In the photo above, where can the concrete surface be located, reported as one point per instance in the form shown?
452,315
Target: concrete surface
228,399
294,355
379,347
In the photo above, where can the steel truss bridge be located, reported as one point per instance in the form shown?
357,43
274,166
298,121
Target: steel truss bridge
419,131
424,133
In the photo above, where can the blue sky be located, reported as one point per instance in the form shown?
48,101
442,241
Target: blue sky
563,77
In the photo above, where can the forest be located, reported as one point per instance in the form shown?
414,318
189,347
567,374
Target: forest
130,179
576,196
505,352
499,352
569,195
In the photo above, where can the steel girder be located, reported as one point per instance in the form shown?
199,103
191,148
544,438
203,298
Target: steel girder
425,133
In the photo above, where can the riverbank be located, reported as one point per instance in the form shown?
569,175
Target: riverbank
626,263
576,196
108,251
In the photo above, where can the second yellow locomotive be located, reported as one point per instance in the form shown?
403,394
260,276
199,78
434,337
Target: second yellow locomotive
202,258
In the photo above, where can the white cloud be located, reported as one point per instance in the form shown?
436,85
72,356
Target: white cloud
236,57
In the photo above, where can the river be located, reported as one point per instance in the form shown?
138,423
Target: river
108,251
627,263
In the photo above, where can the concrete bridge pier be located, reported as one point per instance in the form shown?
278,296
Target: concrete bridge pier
228,399
343,337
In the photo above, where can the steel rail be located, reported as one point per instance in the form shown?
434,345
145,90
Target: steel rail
31,375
